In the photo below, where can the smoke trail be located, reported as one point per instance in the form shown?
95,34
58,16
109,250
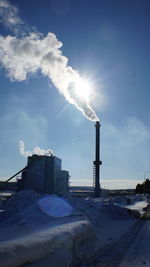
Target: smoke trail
9,16
33,52
22,150
36,151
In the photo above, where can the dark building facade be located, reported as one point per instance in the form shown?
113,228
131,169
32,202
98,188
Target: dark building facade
44,175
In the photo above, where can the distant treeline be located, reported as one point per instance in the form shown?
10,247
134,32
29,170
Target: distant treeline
143,188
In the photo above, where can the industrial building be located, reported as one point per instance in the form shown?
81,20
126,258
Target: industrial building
43,174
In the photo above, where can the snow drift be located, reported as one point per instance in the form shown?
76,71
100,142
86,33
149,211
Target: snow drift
40,229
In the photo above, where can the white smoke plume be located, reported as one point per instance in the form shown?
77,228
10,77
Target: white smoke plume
28,54
36,151
9,15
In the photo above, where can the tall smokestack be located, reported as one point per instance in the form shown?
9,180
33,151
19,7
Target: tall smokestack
97,161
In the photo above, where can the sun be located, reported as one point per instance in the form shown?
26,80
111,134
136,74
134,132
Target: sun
83,89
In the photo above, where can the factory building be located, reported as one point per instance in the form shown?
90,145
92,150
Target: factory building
44,175
62,182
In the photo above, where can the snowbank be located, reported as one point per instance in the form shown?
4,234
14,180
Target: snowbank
31,229
76,239
40,229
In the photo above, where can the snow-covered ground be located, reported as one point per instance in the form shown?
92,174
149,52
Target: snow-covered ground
138,254
43,230
139,206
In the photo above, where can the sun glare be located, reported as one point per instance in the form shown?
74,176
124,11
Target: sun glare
83,88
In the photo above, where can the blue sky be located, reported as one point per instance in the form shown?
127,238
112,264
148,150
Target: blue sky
106,41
